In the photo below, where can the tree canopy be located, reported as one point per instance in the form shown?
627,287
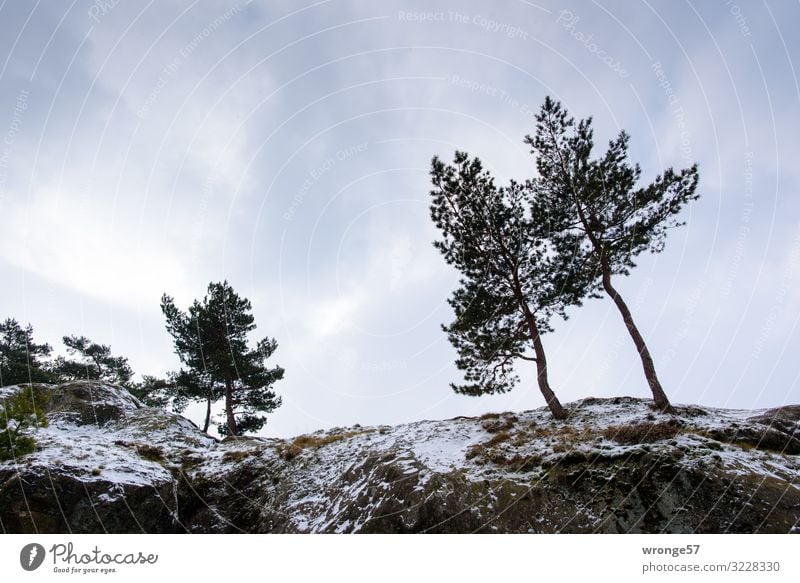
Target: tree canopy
211,340
603,218
527,251
92,362
21,359
513,280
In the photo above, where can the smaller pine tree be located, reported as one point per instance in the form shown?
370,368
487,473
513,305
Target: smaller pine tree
22,360
94,362
211,340
20,415
156,392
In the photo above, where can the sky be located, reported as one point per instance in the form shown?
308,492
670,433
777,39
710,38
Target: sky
150,148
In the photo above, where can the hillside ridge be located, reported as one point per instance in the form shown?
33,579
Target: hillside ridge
107,463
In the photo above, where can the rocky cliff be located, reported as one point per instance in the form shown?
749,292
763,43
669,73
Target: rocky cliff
106,463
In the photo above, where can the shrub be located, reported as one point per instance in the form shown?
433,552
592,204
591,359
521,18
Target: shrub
149,452
18,413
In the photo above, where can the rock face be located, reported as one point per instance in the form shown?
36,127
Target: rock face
106,463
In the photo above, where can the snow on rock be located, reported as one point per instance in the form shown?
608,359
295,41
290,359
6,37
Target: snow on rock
106,463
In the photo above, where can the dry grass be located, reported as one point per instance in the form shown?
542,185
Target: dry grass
484,453
238,455
511,448
498,438
494,422
645,432
145,451
149,452
496,451
522,463
298,444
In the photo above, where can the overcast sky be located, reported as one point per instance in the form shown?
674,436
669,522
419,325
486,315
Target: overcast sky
153,147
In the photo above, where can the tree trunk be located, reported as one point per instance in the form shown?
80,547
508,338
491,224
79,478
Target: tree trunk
208,414
659,396
541,368
229,408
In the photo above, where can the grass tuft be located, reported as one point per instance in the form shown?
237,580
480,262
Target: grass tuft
299,444
644,432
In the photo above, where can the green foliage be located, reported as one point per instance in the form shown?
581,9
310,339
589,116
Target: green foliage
19,413
94,362
156,392
22,359
601,217
527,251
513,280
600,214
211,340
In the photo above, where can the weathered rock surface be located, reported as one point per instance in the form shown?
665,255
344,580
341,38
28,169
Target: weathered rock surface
105,463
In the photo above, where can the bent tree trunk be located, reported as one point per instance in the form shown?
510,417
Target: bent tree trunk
541,368
229,408
659,396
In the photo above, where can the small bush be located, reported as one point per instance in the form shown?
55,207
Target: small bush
645,432
149,452
18,414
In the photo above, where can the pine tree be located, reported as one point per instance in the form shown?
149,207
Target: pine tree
157,392
607,220
192,385
512,282
21,359
21,415
94,362
211,340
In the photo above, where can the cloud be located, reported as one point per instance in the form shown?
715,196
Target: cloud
141,167
55,236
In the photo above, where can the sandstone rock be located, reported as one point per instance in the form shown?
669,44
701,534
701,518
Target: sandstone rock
105,463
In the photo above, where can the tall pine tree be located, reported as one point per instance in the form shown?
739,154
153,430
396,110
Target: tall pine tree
211,340
607,220
512,282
